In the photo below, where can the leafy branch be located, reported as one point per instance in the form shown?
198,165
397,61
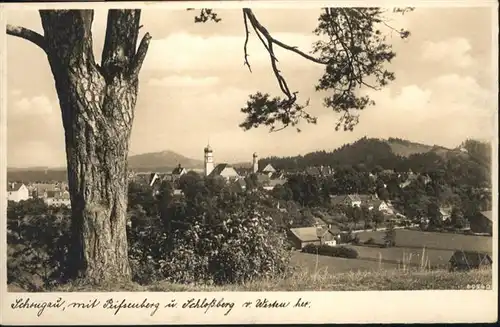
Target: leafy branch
352,48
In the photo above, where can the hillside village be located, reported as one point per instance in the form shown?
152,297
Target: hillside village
327,226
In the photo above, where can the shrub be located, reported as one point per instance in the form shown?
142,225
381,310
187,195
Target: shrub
233,245
212,237
390,236
355,240
332,251
370,241
37,244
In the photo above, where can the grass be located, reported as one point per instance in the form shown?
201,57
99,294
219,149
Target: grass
404,267
408,256
318,281
320,273
421,249
433,240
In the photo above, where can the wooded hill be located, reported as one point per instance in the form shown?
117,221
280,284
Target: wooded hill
393,153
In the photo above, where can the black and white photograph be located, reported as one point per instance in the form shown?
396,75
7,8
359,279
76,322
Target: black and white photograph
204,147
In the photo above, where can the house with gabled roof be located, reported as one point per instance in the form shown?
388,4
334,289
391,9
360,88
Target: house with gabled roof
224,170
178,171
482,223
346,199
300,237
268,169
153,177
39,190
17,192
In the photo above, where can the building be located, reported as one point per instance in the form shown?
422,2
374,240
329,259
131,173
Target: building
317,235
467,260
268,170
224,170
153,178
482,223
57,198
17,192
380,205
300,237
352,200
208,160
445,213
178,172
40,190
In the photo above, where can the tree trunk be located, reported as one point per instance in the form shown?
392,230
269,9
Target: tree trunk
97,106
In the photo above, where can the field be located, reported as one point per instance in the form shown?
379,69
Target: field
413,249
313,263
438,241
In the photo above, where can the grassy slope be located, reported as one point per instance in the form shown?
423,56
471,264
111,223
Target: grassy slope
321,281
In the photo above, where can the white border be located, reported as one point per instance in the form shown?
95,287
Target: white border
348,307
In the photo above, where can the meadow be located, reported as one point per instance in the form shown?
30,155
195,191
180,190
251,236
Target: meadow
304,280
414,249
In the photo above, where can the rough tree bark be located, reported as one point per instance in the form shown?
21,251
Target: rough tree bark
97,106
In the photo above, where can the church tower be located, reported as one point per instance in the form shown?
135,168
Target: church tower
209,160
255,163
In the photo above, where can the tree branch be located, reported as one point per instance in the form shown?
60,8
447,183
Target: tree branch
27,34
256,24
141,54
247,33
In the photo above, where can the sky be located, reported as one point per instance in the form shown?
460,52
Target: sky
193,84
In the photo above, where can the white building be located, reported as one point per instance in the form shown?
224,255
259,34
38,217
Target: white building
226,171
17,192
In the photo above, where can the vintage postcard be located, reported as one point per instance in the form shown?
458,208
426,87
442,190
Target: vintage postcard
249,162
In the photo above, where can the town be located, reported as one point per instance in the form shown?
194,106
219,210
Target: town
316,211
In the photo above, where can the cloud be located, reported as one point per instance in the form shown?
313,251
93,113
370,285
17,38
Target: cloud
184,81
445,110
46,154
184,51
455,51
15,92
37,105
35,135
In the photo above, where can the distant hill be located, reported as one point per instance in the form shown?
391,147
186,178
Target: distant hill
392,153
389,153
161,161
36,174
164,161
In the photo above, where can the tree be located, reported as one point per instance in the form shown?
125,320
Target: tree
378,218
457,218
434,214
141,194
355,214
367,215
97,103
390,236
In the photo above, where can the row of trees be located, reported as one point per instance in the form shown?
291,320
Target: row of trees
374,155
458,184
